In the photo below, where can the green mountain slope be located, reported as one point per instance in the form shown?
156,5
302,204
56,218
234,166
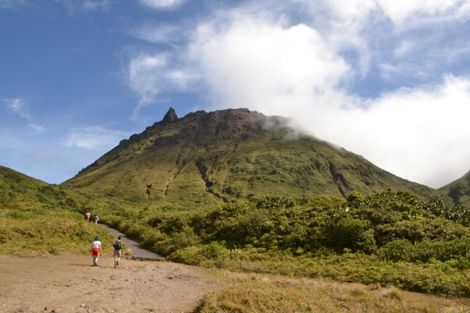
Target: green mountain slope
36,217
18,190
208,158
458,191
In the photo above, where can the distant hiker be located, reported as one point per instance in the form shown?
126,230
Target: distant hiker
95,250
117,245
87,216
97,219
149,187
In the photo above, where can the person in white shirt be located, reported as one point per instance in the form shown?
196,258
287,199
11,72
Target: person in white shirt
95,250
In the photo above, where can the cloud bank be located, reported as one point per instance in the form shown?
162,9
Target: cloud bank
92,5
162,4
12,4
93,138
306,65
19,107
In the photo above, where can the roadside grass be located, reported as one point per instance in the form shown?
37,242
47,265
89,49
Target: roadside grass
437,278
53,231
254,293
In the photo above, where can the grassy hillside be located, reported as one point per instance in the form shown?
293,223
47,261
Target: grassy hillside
387,238
19,191
459,190
207,159
458,193
38,218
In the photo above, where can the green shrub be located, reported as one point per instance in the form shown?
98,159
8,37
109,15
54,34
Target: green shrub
397,250
350,233
215,250
387,238
189,255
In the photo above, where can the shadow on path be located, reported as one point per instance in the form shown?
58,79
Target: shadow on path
138,251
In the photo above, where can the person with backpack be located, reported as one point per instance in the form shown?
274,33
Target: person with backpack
95,250
117,245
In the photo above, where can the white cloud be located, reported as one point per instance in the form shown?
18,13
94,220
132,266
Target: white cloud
15,104
18,106
268,62
37,128
401,11
164,33
253,58
43,156
93,138
162,4
416,133
150,75
146,75
402,14
10,4
92,5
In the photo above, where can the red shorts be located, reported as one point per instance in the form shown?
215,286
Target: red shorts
95,251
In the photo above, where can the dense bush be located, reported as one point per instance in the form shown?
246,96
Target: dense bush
360,224
374,235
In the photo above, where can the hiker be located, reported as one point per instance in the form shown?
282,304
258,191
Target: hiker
118,245
95,250
97,219
87,216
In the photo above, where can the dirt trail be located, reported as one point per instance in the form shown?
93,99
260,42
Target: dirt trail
68,283
138,252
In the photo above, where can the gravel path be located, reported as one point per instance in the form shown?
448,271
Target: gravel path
138,252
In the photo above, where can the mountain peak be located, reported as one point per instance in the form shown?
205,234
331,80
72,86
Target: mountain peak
207,158
170,116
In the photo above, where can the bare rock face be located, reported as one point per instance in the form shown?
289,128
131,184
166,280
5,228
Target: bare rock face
170,116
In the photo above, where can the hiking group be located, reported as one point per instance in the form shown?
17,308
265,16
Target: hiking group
95,250
87,216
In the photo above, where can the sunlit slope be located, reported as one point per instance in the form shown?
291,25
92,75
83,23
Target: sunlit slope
208,158
39,218
19,191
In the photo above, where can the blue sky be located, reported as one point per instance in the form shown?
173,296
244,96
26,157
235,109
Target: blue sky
385,79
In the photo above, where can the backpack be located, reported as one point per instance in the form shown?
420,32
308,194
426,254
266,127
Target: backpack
117,245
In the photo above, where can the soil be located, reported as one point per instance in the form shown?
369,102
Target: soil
68,283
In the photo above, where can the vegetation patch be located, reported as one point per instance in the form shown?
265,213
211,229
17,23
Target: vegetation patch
259,294
53,231
391,238
37,218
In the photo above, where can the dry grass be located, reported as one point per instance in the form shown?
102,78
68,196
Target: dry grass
262,293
